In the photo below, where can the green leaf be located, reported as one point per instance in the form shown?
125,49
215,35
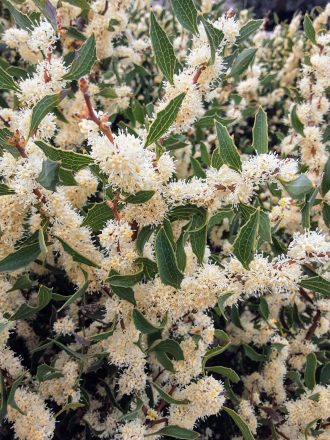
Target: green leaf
77,294
97,216
72,353
216,160
309,29
326,214
260,132
41,109
248,29
76,256
25,311
228,151
132,415
20,258
197,168
219,216
83,61
245,242
117,280
104,335
186,13
213,352
263,308
310,370
214,36
11,396
82,4
125,293
49,178
243,427
168,398
7,81
198,242
325,185
140,197
317,284
143,325
163,49
69,159
325,374
48,10
299,187
164,119
297,125
243,61
166,260
175,431
221,303
143,236
252,354
169,346
224,371
46,372
23,282
265,231
5,190
22,20
42,243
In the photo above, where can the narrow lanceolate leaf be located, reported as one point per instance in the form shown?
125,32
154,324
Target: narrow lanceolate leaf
228,151
143,325
243,427
186,13
325,185
163,49
248,29
309,29
299,187
97,216
168,398
22,20
226,372
166,260
25,311
164,119
140,197
5,190
41,109
215,37
243,61
83,61
77,294
310,370
175,431
317,284
245,243
76,256
7,81
117,280
69,159
11,396
260,132
297,125
21,258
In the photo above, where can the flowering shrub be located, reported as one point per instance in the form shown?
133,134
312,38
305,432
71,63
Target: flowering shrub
164,221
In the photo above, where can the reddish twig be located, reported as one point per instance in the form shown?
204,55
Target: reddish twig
313,327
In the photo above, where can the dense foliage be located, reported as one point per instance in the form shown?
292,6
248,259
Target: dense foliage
164,218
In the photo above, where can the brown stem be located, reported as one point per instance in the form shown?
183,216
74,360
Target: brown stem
311,330
197,74
102,126
305,295
152,423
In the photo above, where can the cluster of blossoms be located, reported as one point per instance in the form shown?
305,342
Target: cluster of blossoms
164,222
